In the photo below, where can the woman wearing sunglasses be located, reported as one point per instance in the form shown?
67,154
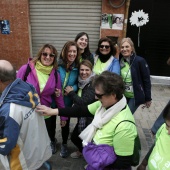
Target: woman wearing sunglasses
82,40
41,73
110,110
104,58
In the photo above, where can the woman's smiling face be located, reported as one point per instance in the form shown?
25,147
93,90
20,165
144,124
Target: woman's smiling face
72,54
126,49
104,48
84,72
47,58
82,42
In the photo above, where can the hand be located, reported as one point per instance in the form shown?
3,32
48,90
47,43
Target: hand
68,89
57,92
46,111
148,104
63,123
141,167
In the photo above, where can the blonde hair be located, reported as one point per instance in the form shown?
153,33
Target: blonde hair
128,40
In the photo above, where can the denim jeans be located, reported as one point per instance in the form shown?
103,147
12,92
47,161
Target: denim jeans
159,121
131,104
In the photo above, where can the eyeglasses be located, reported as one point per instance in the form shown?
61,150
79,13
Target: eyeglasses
106,46
46,54
99,96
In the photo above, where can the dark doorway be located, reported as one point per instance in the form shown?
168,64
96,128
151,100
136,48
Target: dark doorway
154,36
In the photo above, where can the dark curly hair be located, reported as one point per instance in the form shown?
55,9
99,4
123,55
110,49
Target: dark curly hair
111,83
112,47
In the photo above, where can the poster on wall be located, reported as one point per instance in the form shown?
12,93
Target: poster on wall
106,21
118,21
112,21
5,27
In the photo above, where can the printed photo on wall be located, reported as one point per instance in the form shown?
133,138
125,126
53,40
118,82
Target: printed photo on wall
117,20
5,28
106,21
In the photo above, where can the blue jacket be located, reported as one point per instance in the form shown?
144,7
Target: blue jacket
72,81
21,128
113,66
140,78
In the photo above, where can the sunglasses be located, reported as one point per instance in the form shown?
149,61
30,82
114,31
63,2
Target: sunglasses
46,54
106,46
99,96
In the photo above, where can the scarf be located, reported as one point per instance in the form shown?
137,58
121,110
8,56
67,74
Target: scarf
83,83
102,116
44,69
127,59
108,64
104,58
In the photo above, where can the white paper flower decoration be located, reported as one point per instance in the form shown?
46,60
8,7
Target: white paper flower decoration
139,18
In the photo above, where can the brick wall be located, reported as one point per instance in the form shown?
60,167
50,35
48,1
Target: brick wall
15,47
107,8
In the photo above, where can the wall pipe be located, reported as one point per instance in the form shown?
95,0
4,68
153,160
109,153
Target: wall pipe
126,18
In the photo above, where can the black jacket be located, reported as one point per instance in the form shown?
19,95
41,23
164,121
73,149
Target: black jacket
140,78
88,96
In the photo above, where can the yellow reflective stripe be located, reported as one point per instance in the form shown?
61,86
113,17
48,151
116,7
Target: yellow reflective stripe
37,96
31,99
3,140
14,159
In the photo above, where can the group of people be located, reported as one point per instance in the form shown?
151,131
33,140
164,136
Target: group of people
99,89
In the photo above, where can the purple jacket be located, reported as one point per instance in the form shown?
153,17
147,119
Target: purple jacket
98,156
49,89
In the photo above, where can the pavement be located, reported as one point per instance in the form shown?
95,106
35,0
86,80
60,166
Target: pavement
144,121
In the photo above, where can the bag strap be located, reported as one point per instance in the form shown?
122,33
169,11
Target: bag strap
28,70
56,76
124,121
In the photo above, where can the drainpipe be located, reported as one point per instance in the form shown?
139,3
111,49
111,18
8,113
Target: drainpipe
126,18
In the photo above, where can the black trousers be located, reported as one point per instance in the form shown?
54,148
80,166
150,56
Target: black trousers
51,127
75,138
65,132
